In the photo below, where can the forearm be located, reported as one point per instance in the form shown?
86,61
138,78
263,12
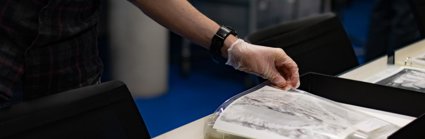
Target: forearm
182,18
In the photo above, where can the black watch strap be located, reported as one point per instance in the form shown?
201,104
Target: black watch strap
217,43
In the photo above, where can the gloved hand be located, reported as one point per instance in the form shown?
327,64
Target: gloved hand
269,63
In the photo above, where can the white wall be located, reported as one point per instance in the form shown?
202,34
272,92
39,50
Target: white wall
138,49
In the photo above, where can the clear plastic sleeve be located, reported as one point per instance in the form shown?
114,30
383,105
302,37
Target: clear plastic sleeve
365,128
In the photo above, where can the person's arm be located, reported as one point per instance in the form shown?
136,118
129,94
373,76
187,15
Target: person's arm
182,18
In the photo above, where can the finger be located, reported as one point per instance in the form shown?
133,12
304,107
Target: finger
294,77
289,70
298,84
294,80
291,75
277,79
287,88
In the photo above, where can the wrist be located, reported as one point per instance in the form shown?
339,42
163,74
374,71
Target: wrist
220,42
227,43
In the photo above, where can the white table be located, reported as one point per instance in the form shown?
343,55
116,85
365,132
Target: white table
195,130
363,72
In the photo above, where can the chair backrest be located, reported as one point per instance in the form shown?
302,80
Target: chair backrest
418,8
102,111
317,44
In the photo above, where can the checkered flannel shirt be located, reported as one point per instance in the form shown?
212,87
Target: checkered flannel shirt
47,46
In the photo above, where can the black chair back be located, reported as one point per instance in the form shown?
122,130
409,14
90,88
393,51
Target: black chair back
317,44
418,8
105,111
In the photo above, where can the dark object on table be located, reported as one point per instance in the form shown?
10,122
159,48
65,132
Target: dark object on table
104,111
317,44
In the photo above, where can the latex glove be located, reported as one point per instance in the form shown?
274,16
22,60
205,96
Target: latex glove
269,63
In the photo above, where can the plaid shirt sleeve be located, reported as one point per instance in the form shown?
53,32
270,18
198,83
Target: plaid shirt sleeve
18,25
11,69
48,45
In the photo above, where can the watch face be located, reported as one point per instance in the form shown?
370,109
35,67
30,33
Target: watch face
230,30
223,32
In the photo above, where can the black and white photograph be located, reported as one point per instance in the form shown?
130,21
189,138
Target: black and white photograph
422,58
418,60
406,78
273,113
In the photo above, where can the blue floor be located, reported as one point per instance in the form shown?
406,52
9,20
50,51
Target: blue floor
199,94
187,99
355,19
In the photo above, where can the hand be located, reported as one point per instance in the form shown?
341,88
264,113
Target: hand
269,63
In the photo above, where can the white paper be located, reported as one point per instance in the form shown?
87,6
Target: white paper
271,113
394,118
370,125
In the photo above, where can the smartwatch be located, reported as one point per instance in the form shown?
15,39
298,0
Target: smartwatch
217,43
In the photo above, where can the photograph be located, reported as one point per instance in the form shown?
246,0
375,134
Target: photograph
274,113
422,58
406,78
418,60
